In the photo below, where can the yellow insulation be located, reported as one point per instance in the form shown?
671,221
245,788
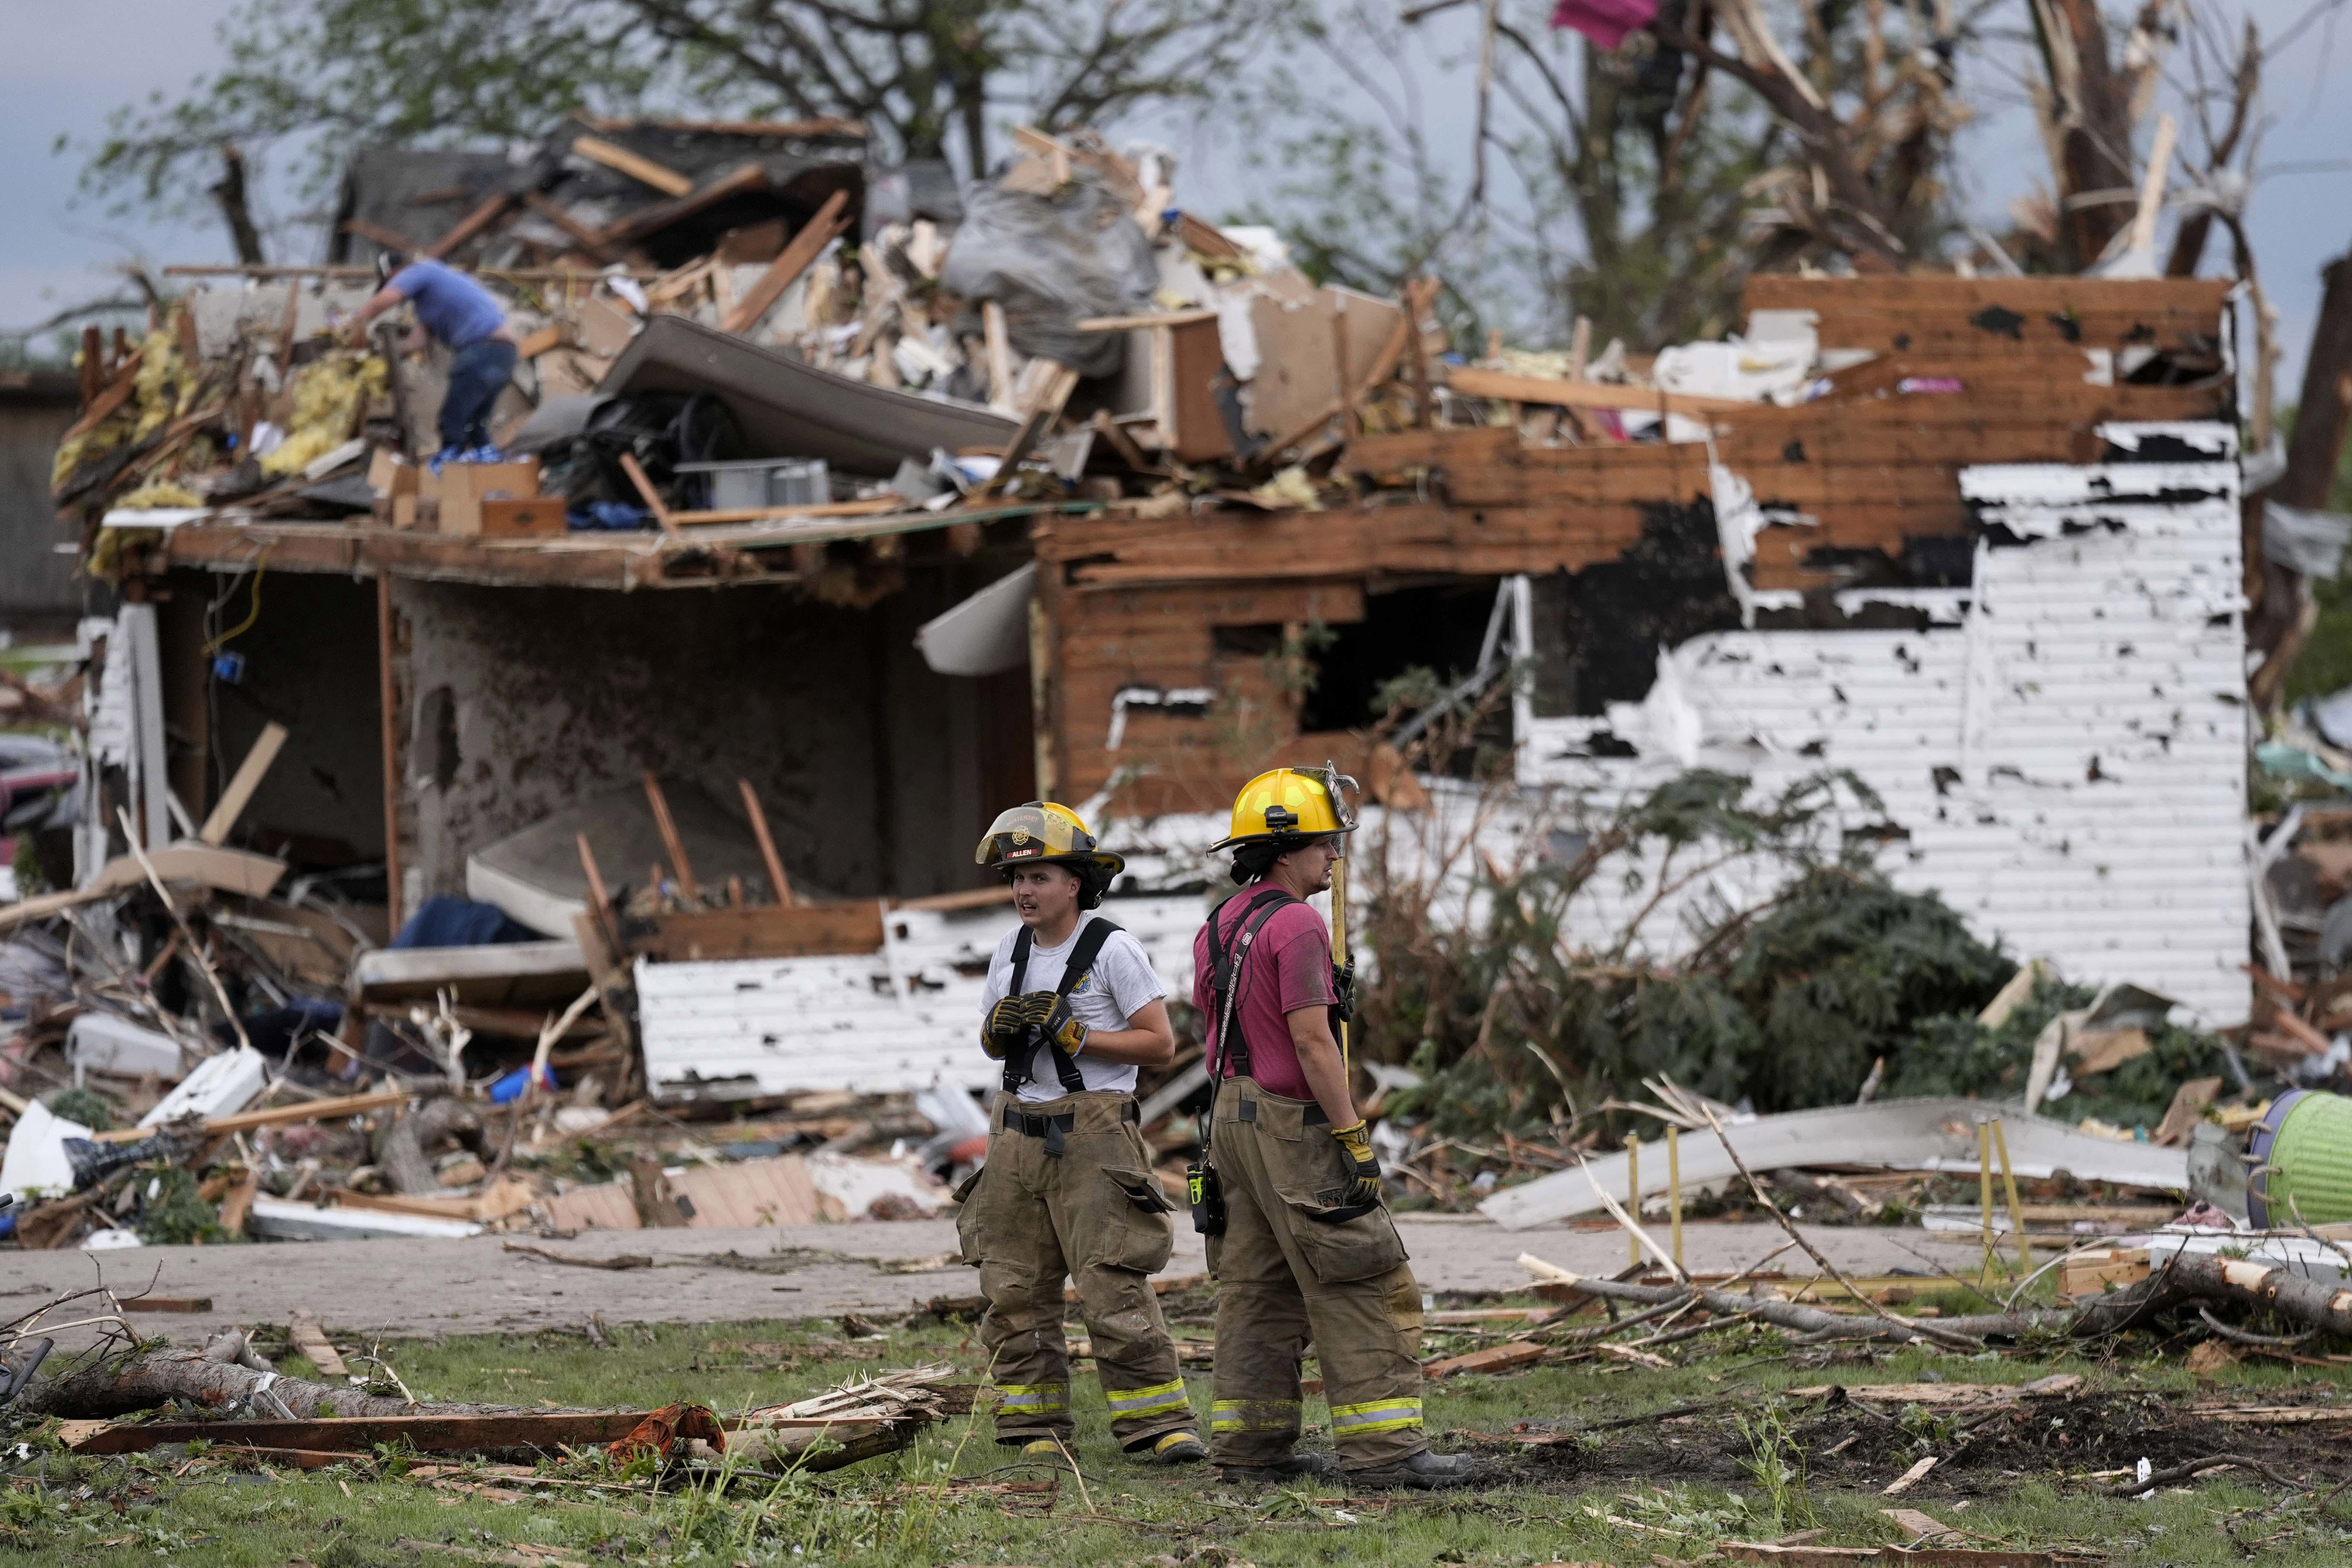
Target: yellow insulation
330,397
159,492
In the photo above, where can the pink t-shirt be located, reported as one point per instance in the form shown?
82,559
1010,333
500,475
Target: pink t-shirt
1288,967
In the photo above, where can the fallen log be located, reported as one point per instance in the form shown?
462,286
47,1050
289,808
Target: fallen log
2195,1467
433,1433
866,1417
119,1386
2322,1304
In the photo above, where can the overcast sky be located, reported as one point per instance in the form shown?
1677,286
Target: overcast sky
66,67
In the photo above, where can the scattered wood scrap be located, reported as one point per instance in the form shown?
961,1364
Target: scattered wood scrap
1493,1358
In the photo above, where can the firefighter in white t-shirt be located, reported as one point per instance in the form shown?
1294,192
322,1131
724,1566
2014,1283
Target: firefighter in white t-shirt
1073,1009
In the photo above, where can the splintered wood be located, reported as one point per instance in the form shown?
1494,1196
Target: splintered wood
303,1329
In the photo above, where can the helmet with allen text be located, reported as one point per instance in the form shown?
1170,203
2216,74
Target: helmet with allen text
1041,832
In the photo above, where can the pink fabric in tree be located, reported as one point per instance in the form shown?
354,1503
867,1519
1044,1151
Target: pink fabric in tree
1605,21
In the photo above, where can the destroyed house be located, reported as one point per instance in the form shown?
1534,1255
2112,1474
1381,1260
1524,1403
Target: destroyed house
665,190
1975,540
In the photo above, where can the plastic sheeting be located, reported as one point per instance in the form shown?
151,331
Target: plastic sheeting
2312,543
1052,261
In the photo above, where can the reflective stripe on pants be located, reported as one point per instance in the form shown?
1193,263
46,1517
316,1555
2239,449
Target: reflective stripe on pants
1032,1221
1255,1416
1152,1401
1035,1398
1376,1415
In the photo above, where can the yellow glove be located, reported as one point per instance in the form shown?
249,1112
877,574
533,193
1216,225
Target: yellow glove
1356,1143
1060,1024
1007,1021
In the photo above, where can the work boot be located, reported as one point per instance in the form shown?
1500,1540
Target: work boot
1289,1467
1045,1451
1179,1449
1425,1471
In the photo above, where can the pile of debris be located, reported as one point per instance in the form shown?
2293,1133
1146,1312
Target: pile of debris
706,342
217,1054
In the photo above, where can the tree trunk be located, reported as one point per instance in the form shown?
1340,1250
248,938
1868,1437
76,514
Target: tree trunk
2096,149
230,193
2325,408
116,1388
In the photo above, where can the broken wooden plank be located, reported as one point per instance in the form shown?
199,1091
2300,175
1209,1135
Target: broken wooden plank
644,171
779,882
377,234
1917,1525
332,1110
303,1329
1909,1479
493,208
243,783
674,846
740,181
580,233
116,393
205,865
791,262
1043,410
237,1202
1493,1358
648,494
781,931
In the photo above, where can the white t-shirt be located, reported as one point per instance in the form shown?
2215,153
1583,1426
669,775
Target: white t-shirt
1119,986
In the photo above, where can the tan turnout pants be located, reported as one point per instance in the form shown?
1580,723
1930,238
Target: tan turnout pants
1095,1212
1285,1277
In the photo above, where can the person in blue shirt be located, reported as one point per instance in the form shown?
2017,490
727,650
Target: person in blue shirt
456,310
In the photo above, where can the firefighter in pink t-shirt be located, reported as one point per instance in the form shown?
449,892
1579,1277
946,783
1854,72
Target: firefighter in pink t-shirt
1289,1191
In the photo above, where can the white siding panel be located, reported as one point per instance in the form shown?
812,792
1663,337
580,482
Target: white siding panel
903,1019
2068,762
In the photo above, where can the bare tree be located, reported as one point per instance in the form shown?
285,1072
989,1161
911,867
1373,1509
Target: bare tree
322,77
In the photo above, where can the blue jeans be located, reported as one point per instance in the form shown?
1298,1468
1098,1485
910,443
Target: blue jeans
479,373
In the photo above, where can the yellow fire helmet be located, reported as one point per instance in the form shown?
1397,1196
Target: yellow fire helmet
1288,805
1041,832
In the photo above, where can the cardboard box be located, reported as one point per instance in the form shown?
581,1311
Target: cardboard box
460,488
391,476
523,517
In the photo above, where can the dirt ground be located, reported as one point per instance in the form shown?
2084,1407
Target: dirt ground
407,1289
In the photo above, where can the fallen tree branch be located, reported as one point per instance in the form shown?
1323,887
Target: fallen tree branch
2321,1305
116,1388
1938,1332
2255,1341
2189,1471
1807,1320
620,1261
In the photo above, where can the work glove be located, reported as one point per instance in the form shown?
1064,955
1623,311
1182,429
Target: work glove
1356,1143
1007,1021
1343,986
1060,1024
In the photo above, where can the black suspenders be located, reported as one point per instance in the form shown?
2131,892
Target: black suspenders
1082,958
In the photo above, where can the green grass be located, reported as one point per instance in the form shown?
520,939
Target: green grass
1751,1464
